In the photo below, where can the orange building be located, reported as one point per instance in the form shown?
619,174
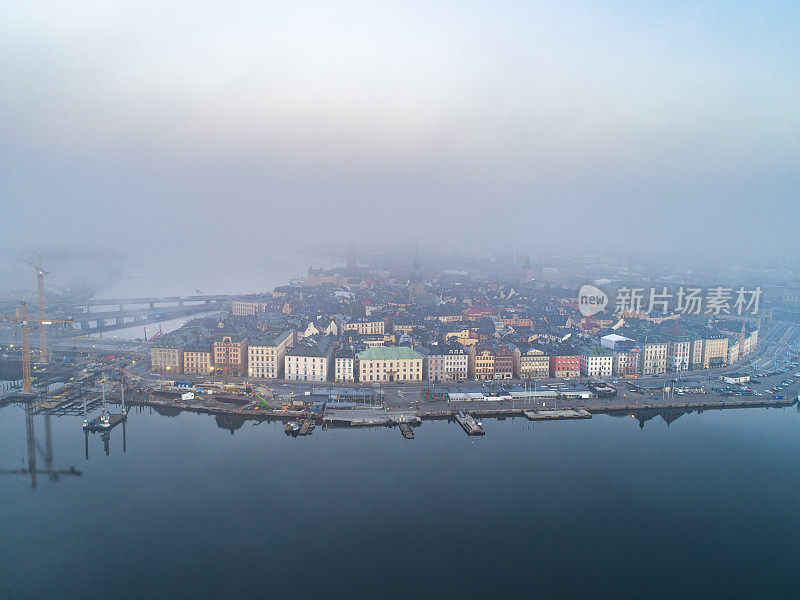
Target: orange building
230,354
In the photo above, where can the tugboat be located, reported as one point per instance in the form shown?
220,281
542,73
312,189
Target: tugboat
292,428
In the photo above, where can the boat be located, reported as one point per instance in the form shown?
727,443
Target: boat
105,421
99,423
292,427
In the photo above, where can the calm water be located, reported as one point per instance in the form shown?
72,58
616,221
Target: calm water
705,508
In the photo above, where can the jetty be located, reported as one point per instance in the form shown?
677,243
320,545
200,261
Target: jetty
306,426
405,429
468,423
557,414
105,422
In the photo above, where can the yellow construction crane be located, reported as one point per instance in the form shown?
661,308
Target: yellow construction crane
40,273
22,319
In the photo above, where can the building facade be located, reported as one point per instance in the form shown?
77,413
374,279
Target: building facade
483,362
534,364
715,351
243,308
562,366
597,362
449,363
388,364
366,326
309,361
678,354
198,360
166,357
653,358
230,354
504,361
344,367
265,355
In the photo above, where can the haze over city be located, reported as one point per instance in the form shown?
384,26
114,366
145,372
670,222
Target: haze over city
148,130
380,299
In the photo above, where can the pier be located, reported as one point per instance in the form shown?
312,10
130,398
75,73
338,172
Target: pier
99,424
557,415
306,426
468,423
405,429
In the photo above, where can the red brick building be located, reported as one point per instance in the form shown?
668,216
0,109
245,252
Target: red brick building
504,362
565,365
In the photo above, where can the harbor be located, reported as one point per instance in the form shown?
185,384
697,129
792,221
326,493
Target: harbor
544,465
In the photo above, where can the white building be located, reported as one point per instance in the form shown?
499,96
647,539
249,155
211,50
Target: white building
344,365
617,342
243,308
678,353
448,363
653,360
309,361
597,362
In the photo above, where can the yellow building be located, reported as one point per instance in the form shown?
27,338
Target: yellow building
386,364
483,362
197,360
465,336
366,326
533,365
715,351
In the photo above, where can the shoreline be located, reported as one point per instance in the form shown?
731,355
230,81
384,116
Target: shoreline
446,412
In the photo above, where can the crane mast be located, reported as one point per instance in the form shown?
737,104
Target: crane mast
44,354
23,320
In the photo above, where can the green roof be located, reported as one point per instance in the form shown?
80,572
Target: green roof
596,351
389,353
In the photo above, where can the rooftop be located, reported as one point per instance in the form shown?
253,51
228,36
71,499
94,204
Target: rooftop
389,353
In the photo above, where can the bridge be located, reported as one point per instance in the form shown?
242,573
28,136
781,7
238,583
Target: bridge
118,313
150,302
90,322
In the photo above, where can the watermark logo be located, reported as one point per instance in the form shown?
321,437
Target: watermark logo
713,301
591,300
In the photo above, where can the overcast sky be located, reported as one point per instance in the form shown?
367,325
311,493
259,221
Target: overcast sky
535,124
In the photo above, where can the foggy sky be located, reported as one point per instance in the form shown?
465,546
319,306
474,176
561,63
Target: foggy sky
224,131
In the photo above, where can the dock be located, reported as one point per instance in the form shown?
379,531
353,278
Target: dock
366,417
405,429
468,423
557,414
306,427
113,420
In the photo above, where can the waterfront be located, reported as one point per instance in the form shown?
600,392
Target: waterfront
704,507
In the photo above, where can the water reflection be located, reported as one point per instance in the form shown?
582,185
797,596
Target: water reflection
105,438
46,453
167,411
668,415
230,422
